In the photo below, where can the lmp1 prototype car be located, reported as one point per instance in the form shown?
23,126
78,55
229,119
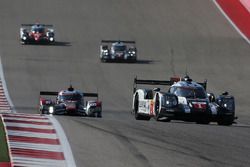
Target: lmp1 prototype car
185,100
70,102
37,34
119,51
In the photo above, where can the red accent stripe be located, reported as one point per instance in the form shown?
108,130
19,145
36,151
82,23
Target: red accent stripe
5,164
238,14
31,129
37,154
27,122
28,117
35,140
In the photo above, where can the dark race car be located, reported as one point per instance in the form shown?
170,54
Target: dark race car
118,51
185,100
37,34
70,102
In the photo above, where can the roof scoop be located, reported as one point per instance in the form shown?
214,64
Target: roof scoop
71,89
187,79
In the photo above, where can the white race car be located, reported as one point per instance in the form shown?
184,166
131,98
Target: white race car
185,100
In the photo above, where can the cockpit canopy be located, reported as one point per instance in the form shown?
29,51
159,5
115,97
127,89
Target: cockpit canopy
189,92
38,29
70,97
119,47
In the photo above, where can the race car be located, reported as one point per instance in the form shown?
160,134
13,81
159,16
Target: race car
37,34
118,51
185,100
70,102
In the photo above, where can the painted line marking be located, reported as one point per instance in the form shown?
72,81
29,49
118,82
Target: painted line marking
31,162
34,140
37,154
231,22
31,129
31,134
36,146
29,125
27,122
64,142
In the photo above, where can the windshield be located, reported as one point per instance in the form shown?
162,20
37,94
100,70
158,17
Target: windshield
71,97
119,47
189,92
38,30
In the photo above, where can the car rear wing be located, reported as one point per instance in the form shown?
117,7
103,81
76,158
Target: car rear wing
150,82
162,82
44,25
47,93
113,41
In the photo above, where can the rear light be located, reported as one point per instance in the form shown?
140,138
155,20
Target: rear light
98,104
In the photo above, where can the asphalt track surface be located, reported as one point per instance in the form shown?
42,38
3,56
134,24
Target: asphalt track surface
171,35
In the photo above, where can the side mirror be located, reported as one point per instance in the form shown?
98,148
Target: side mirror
156,89
211,97
225,93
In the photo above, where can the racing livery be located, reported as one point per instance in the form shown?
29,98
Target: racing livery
185,100
37,34
119,51
70,102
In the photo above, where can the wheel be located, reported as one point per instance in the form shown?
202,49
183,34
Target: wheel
226,121
99,115
157,108
103,60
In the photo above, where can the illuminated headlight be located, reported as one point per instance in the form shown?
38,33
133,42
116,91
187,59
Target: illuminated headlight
24,37
51,110
133,52
51,39
228,103
105,52
171,101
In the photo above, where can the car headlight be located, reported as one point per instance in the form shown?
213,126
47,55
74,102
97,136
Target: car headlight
51,39
171,101
227,103
24,37
51,110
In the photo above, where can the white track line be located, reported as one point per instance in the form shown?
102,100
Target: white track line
27,119
37,162
64,142
231,22
11,124
5,87
31,134
33,146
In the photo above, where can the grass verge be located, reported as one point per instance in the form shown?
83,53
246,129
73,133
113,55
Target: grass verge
4,152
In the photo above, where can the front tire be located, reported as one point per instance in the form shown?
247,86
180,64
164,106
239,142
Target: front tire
226,121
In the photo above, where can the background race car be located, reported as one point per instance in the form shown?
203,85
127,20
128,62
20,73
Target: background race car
119,51
70,102
37,34
185,100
